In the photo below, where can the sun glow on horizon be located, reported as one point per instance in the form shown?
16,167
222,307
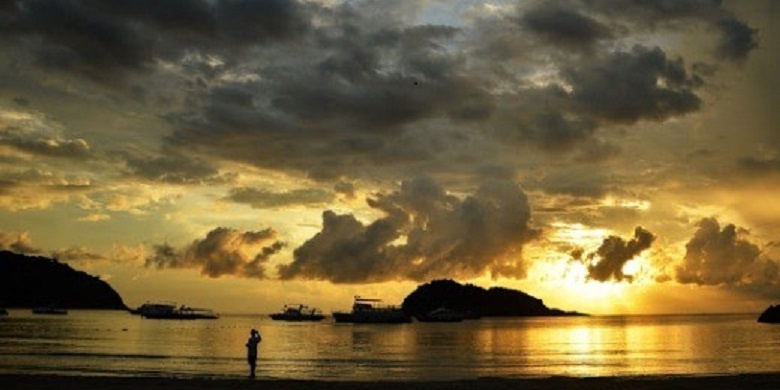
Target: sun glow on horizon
565,277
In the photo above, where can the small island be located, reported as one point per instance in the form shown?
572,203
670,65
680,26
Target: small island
474,302
34,281
771,315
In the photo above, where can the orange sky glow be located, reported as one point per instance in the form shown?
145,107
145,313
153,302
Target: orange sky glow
242,155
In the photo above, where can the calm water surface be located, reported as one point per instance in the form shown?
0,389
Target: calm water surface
117,343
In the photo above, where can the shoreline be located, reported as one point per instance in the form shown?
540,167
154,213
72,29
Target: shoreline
756,381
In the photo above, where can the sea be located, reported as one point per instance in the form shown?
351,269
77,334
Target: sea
116,343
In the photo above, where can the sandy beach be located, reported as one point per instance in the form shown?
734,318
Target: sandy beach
745,381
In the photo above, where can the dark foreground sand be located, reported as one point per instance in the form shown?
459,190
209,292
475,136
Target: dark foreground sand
747,381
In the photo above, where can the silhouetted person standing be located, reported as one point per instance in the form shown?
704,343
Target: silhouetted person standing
251,351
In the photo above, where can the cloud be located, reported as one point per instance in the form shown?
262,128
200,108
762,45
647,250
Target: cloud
223,251
95,217
425,233
45,146
716,256
20,242
360,84
627,86
261,198
345,188
173,167
104,39
34,133
38,188
738,39
564,26
77,254
582,181
260,21
607,262
345,91
759,165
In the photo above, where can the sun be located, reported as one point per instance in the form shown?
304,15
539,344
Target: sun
565,281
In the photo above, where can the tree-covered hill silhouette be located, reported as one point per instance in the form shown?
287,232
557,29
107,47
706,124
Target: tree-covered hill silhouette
476,301
31,281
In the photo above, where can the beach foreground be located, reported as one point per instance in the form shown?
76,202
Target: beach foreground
745,381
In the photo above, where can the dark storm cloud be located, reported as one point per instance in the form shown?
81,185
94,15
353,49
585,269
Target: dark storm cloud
352,87
76,37
261,198
223,251
257,21
553,131
102,39
738,39
563,26
608,260
425,233
330,89
716,256
346,106
627,86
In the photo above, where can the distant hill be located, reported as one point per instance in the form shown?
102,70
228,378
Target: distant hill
771,315
30,281
477,301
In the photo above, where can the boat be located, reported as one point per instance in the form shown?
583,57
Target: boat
441,314
298,312
3,311
372,311
168,311
49,310
154,307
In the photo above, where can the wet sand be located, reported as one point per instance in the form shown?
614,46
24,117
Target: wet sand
746,381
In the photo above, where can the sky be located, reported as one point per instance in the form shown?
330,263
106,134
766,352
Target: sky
606,156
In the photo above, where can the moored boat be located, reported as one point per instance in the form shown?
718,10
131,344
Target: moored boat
49,310
372,311
169,311
154,307
298,312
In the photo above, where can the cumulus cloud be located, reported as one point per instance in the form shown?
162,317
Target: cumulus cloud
223,251
724,256
607,262
425,233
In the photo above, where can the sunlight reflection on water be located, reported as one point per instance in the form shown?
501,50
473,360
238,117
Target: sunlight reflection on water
117,343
